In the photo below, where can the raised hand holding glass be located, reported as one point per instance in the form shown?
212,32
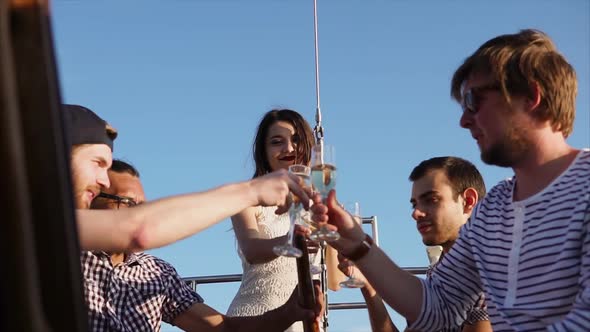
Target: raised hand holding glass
287,249
323,179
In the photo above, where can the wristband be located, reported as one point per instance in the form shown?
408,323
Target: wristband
361,250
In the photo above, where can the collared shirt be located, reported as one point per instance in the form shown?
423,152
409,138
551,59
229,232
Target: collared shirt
530,257
136,295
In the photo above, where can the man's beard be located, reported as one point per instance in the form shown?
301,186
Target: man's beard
508,151
80,197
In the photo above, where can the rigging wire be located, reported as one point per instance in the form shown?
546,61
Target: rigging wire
319,136
318,129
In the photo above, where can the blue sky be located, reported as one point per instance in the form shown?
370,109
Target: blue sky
186,82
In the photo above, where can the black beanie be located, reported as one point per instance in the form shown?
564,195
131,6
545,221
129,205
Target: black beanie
85,127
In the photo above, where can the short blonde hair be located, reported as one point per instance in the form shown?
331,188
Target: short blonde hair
516,61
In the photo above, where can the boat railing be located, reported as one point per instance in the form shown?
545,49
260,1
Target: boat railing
194,282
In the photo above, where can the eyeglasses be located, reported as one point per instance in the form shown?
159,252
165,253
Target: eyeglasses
472,97
126,201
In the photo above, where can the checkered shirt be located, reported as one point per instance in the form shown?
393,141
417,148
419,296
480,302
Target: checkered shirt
475,314
136,295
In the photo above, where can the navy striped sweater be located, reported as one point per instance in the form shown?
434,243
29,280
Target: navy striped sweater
531,258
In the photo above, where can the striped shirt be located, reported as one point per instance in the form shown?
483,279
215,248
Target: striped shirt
531,258
136,295
474,314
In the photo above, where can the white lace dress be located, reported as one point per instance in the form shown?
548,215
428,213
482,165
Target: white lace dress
269,285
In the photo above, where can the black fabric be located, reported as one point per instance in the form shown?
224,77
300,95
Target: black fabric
85,127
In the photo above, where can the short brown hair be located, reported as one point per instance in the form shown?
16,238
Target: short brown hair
461,174
515,61
120,166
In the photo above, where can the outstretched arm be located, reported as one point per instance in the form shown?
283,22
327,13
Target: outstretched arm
401,290
167,220
428,305
378,315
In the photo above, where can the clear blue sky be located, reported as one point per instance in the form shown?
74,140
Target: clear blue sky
186,82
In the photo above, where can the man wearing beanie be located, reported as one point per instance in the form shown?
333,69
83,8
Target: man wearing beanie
161,222
164,221
91,139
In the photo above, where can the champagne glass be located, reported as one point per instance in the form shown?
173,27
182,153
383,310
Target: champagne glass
314,254
352,282
313,247
323,179
287,249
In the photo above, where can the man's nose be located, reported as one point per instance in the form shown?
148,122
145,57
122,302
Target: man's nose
418,214
466,120
103,179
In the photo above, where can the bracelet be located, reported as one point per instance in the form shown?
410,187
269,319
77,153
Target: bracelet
361,250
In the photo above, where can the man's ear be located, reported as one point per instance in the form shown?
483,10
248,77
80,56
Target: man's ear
470,199
534,97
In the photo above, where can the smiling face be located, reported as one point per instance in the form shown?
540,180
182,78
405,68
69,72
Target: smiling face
283,138
281,145
438,213
500,128
89,164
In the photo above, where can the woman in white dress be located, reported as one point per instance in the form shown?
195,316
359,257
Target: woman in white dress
283,138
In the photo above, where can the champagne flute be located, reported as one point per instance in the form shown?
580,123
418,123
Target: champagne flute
313,247
323,179
314,254
287,249
352,282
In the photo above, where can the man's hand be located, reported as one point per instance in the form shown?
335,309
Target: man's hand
331,214
275,189
294,311
348,268
303,230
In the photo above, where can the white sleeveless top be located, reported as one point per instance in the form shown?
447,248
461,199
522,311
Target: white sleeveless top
269,285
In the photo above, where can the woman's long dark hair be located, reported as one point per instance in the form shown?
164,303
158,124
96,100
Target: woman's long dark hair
302,130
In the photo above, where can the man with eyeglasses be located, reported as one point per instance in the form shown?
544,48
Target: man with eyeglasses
527,244
137,291
116,202
124,294
160,222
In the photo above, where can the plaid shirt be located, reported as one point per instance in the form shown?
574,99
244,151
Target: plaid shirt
135,295
475,314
